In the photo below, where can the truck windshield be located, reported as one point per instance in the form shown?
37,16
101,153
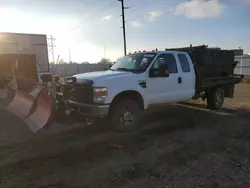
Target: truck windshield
134,62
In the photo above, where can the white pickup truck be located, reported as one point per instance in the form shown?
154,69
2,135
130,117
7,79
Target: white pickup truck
137,81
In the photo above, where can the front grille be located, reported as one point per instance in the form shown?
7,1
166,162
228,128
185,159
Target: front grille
81,93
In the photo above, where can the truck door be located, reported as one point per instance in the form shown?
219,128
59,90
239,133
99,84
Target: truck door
187,76
164,89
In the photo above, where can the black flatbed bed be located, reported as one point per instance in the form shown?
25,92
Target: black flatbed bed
212,82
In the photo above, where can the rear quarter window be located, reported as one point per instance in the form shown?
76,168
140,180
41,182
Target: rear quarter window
184,62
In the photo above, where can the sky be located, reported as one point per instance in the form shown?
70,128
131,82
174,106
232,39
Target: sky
91,29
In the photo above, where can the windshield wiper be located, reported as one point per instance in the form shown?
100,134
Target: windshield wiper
130,70
124,69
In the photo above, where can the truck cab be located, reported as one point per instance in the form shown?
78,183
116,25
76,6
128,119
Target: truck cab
159,77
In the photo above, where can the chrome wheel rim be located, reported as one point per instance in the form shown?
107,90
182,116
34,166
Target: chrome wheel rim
126,118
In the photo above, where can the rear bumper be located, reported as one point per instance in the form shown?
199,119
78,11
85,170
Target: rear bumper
89,110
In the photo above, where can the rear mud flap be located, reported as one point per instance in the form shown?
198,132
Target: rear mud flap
43,114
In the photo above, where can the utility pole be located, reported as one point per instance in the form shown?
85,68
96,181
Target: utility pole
124,26
51,45
69,56
104,50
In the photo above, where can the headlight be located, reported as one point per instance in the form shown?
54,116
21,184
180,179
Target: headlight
100,94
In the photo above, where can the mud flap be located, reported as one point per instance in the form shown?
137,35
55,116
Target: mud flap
43,113
229,90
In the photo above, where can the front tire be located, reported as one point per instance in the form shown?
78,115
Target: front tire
215,98
125,115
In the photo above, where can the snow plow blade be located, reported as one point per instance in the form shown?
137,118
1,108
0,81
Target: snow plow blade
35,107
23,103
43,113
33,101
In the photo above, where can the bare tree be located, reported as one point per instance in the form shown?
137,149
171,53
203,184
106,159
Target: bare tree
85,62
105,61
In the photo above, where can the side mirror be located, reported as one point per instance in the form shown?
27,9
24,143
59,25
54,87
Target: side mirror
154,73
159,72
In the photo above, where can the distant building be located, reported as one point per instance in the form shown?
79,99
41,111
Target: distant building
238,52
17,45
243,67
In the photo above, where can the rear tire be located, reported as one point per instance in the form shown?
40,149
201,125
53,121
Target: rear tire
215,98
125,115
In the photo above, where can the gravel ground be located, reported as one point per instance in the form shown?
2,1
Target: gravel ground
182,145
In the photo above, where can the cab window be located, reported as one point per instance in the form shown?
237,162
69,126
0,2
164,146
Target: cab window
168,59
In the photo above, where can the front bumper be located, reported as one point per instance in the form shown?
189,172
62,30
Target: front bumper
89,110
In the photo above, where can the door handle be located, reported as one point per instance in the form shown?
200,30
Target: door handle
179,80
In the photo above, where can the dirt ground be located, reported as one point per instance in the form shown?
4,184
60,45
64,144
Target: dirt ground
182,145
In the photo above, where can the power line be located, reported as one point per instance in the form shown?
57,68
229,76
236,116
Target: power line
144,15
51,45
105,8
138,3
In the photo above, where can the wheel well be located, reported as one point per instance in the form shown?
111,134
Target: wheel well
131,95
227,88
